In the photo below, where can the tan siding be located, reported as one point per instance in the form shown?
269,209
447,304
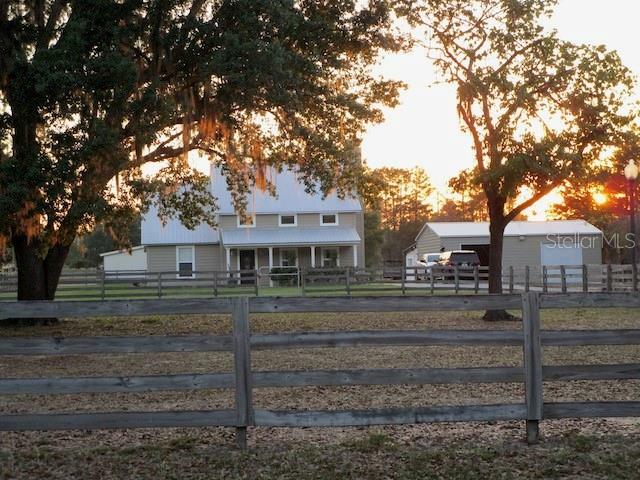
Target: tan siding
428,242
161,259
519,253
208,258
228,221
308,220
346,256
455,243
267,221
592,253
347,220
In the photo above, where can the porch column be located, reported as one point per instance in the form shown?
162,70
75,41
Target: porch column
313,256
228,250
355,255
270,265
238,266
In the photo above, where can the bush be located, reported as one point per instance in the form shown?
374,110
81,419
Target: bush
277,275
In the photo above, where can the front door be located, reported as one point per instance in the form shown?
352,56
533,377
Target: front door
247,262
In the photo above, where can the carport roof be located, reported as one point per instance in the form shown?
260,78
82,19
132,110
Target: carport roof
267,237
513,229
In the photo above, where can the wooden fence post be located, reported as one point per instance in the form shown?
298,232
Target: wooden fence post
102,284
634,274
532,364
456,278
242,370
563,278
476,278
527,276
510,278
403,276
159,284
585,279
432,278
609,278
255,281
303,282
348,282
215,284
545,279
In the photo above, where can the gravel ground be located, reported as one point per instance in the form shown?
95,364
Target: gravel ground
374,452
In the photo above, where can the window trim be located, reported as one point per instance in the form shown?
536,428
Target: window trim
295,249
324,249
337,222
295,220
253,225
193,261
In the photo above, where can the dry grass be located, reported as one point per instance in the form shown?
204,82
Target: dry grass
394,452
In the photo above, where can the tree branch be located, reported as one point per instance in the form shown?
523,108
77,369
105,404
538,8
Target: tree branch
46,34
517,210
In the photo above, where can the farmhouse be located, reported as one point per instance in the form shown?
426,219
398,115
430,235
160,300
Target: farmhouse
294,229
535,243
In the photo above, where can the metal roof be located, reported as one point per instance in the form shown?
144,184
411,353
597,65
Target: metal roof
174,232
291,196
513,229
290,236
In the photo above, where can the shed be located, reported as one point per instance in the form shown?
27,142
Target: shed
125,260
535,243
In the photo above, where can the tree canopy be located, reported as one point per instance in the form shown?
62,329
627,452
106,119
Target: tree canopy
91,91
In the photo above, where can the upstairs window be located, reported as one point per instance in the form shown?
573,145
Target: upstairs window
288,220
246,221
329,219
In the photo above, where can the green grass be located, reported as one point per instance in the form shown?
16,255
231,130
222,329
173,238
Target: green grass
127,291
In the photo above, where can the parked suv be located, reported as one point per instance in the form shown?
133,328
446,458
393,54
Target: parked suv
465,259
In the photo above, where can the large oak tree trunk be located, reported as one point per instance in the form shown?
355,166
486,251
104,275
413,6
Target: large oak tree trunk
496,240
38,274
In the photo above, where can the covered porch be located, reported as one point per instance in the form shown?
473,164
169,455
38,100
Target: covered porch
265,249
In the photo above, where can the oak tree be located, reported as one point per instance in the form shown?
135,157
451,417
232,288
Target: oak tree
93,91
538,109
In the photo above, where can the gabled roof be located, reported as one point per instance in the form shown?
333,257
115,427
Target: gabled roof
290,236
291,197
513,229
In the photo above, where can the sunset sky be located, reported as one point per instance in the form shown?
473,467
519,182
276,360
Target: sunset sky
424,130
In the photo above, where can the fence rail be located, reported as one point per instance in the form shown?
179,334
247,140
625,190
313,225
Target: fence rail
243,379
293,281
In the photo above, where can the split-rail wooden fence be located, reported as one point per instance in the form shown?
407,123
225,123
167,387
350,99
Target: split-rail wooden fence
243,380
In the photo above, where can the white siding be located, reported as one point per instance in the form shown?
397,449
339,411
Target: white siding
117,262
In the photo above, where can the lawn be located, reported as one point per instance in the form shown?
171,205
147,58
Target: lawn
577,449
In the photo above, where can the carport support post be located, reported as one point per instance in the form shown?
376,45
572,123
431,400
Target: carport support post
532,364
242,369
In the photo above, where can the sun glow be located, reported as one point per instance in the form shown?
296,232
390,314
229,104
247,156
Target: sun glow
600,198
